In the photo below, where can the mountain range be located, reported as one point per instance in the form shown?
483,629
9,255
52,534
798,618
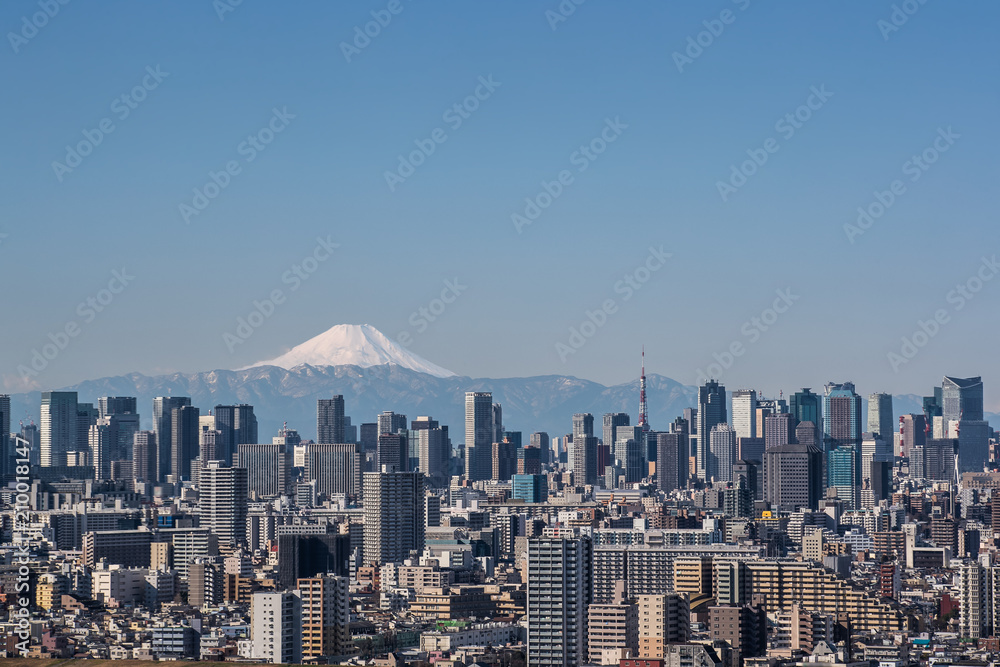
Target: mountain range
375,374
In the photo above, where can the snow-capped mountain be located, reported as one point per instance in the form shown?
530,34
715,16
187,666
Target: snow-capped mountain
353,345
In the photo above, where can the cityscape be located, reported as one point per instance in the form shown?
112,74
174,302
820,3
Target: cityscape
564,333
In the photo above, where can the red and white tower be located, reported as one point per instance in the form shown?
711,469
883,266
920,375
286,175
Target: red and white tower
643,423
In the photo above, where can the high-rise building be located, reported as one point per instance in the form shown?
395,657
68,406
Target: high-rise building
711,412
58,431
269,468
805,434
223,503
743,628
498,428
433,449
779,429
144,456
336,469
611,627
86,416
560,589
880,420
238,426
844,475
912,433
100,443
963,398
793,476
842,425
368,437
541,440
394,516
874,485
326,617
630,451
584,449
276,627
330,420
390,422
806,406
530,488
124,423
163,407
671,460
6,449
721,453
744,413
393,450
504,460
184,440
663,619
478,435
611,421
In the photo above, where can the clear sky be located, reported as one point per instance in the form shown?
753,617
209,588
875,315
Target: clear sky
675,118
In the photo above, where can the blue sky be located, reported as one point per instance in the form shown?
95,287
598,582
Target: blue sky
656,184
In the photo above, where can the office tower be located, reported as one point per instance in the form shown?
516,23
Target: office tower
498,427
301,556
336,469
805,434
124,423
529,461
163,407
744,413
330,421
286,436
223,503
793,476
369,437
962,398
560,589
478,435
276,627
612,420
269,468
750,476
393,450
630,450
86,416
805,406
844,475
583,424
99,439
663,619
530,488
779,429
880,418
912,433
874,450
541,440
326,617
711,412
144,456
211,446
433,449
58,432
390,422
350,431
935,460
32,439
721,453
842,425
671,461
504,460
184,436
584,449
394,516
237,425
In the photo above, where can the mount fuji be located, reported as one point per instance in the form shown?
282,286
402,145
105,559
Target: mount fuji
352,345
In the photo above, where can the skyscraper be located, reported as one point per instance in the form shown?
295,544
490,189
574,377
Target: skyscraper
721,453
100,442
144,456
842,425
433,449
58,426
163,407
612,420
269,468
184,435
336,469
844,474
560,589
671,460
584,449
880,420
326,617
394,516
806,406
237,425
6,451
393,450
779,430
793,476
963,403
744,412
541,440
498,428
223,503
478,435
330,420
124,421
711,411
390,422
